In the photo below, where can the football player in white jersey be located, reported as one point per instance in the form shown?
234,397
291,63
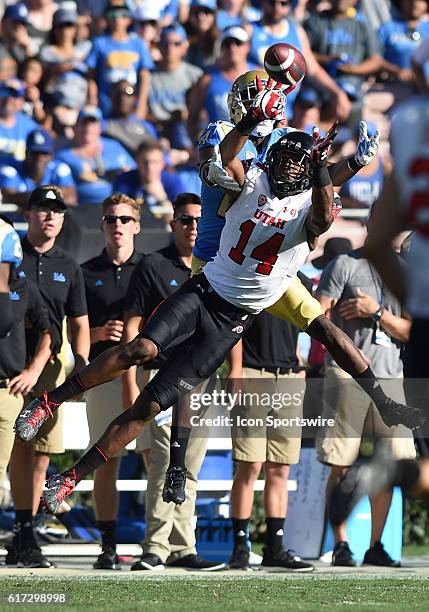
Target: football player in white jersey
10,256
403,204
199,323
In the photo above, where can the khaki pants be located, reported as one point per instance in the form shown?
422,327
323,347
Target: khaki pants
356,416
10,407
49,439
260,444
170,529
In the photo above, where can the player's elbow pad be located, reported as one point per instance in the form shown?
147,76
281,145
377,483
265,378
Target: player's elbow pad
6,314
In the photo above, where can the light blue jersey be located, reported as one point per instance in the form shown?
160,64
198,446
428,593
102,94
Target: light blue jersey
15,178
214,201
10,245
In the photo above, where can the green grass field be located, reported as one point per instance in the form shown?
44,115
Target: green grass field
245,594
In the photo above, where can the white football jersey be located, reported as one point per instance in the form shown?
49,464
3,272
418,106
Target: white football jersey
409,141
262,246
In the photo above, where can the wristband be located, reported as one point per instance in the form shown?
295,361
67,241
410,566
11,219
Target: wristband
354,165
376,316
246,125
321,177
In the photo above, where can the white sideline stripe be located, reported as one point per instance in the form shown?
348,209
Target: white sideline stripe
206,486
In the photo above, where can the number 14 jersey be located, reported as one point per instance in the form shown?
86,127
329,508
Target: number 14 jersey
262,246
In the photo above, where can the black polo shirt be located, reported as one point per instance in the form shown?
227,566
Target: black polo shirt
60,281
106,286
271,342
157,276
29,313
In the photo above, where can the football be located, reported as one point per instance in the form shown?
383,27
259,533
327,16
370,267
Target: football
285,64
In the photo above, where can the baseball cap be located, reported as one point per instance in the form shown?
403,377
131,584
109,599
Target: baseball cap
236,32
39,141
173,29
117,8
333,248
145,12
45,196
208,4
12,85
16,12
90,112
62,16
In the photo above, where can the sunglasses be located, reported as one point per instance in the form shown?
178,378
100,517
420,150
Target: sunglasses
202,11
187,219
281,2
228,42
44,211
171,43
111,219
151,22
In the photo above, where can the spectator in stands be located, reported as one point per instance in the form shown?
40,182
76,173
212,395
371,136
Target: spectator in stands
203,34
14,125
40,17
8,66
123,124
208,100
146,20
269,361
276,26
94,161
171,85
60,282
399,38
107,278
346,47
364,187
151,184
359,303
14,28
236,13
170,533
117,56
64,59
31,73
38,168
307,109
19,372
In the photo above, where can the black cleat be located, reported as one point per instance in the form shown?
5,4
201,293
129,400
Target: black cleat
284,560
394,413
342,556
12,556
32,556
197,563
380,557
148,561
174,485
107,560
240,558
365,477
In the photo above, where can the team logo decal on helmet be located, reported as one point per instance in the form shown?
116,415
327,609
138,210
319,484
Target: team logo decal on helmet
288,164
262,199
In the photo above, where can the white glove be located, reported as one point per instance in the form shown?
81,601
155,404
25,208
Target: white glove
217,175
367,147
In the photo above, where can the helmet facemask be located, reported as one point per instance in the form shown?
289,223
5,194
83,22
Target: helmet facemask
288,169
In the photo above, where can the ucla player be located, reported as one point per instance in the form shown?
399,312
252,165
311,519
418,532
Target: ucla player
10,257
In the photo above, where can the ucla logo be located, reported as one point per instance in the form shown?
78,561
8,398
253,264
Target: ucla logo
262,200
59,277
173,283
99,283
22,274
14,296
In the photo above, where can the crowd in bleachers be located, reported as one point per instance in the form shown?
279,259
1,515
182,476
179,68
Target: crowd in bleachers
104,78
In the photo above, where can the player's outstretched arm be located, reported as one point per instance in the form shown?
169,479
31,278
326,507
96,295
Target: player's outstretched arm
269,103
366,151
320,216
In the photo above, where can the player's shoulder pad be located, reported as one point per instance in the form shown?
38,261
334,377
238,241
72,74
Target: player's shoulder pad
214,133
